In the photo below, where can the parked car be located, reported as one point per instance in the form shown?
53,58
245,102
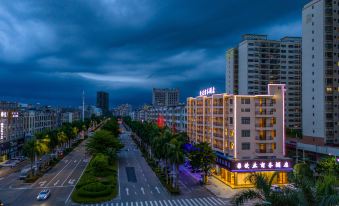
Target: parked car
44,194
276,188
291,186
25,172
10,163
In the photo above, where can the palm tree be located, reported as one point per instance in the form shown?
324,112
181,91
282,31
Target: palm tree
62,138
315,192
263,194
35,148
176,157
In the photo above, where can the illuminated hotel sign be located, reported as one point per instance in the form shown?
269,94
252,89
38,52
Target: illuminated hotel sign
207,91
256,165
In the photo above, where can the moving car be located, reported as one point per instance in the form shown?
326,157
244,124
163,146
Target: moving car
44,194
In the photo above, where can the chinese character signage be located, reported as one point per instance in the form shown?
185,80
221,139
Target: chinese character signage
207,91
256,165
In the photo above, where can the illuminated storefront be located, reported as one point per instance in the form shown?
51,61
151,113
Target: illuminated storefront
234,173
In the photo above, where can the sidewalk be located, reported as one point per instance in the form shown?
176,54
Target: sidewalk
214,185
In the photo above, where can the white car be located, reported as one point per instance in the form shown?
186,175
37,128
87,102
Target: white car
44,194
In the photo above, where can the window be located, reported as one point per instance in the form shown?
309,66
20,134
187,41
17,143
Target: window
245,146
245,101
245,120
231,120
245,133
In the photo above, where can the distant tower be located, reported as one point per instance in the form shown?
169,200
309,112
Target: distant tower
83,105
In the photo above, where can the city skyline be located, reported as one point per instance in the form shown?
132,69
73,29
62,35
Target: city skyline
50,58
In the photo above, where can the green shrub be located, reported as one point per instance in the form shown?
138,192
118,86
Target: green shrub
99,165
95,189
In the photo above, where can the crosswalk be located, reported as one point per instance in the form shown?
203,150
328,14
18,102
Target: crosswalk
205,201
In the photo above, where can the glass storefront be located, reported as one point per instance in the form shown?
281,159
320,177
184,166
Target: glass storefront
239,179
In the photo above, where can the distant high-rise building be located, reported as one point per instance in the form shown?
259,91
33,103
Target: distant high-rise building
103,101
320,72
232,72
165,97
258,61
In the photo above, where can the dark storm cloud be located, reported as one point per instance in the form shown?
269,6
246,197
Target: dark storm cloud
51,50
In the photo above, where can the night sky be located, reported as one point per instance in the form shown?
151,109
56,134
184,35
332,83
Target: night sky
51,50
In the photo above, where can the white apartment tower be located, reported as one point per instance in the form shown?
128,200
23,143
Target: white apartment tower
258,61
320,72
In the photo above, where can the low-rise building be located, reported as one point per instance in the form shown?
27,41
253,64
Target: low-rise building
247,132
11,130
174,117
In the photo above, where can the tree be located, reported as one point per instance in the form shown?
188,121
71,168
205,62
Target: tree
35,148
62,138
264,194
327,165
202,156
176,157
28,150
103,142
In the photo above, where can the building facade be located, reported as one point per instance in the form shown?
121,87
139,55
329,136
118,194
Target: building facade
123,110
247,132
165,97
320,72
11,130
103,101
232,71
258,61
174,117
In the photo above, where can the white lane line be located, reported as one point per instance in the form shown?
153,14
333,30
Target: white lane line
56,182
213,200
197,202
118,180
58,173
186,202
71,173
76,183
169,201
208,202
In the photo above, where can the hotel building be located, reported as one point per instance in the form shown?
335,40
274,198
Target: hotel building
258,61
247,133
320,72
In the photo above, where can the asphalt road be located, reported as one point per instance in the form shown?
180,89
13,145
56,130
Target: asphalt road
61,180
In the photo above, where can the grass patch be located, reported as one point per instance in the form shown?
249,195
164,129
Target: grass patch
94,189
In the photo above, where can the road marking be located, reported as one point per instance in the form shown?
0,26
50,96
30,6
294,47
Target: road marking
56,182
118,179
157,189
71,181
142,190
76,183
58,173
71,172
127,191
42,183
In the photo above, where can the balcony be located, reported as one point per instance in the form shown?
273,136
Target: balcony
267,138
264,151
